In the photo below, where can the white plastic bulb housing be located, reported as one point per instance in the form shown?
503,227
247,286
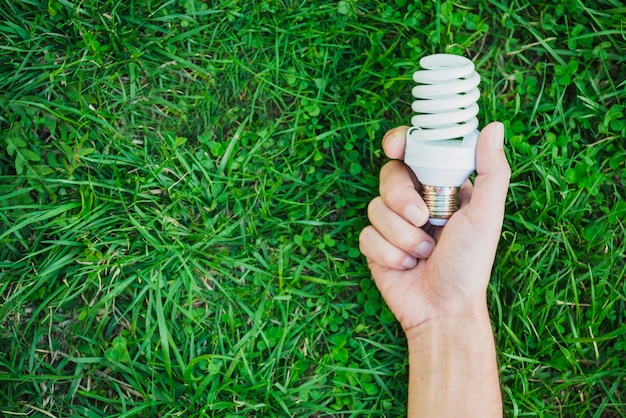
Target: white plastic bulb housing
441,143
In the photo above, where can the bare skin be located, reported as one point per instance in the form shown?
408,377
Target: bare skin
434,279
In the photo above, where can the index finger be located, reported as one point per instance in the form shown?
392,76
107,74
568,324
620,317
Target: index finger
394,142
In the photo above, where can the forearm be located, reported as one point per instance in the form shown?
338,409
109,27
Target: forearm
452,369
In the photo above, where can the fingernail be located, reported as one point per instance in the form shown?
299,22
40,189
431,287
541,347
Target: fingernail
415,215
498,136
425,249
409,262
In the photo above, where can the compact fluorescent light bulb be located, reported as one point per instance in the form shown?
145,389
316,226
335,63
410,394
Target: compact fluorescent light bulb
441,143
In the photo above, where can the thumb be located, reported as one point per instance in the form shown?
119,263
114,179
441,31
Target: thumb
486,207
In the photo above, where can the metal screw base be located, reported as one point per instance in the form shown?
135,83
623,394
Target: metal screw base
442,202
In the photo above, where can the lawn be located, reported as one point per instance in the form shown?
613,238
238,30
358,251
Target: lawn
183,182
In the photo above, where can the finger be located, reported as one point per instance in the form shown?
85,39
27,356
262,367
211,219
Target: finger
398,191
486,206
377,249
394,142
465,193
398,231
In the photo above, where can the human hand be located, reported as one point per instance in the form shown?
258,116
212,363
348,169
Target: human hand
425,272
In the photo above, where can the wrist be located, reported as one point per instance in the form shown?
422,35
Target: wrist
453,369
454,325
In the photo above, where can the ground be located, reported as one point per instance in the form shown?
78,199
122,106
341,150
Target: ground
183,182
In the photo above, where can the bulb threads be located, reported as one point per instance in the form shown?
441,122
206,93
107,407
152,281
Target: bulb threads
442,202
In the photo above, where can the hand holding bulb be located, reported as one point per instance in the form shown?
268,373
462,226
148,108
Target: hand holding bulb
453,275
439,296
421,271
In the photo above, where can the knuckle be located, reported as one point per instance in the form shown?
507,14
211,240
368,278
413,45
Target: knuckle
373,208
504,169
392,173
506,172
392,259
365,237
408,241
396,197
384,171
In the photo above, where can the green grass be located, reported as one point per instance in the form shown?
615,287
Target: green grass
182,185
